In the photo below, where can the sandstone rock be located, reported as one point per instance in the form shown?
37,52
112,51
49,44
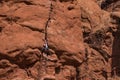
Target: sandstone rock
82,35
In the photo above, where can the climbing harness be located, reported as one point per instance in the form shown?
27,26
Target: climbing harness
45,48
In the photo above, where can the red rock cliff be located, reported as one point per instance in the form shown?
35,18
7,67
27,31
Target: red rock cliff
83,38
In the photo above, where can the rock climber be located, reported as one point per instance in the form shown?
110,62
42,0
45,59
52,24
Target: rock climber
45,49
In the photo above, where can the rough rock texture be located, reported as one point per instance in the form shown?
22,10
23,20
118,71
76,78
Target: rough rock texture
83,38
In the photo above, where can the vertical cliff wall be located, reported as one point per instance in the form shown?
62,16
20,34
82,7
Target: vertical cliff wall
83,39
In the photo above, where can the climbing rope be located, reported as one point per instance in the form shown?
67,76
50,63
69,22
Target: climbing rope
45,48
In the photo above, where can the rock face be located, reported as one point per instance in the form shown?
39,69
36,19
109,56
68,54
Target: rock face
83,39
